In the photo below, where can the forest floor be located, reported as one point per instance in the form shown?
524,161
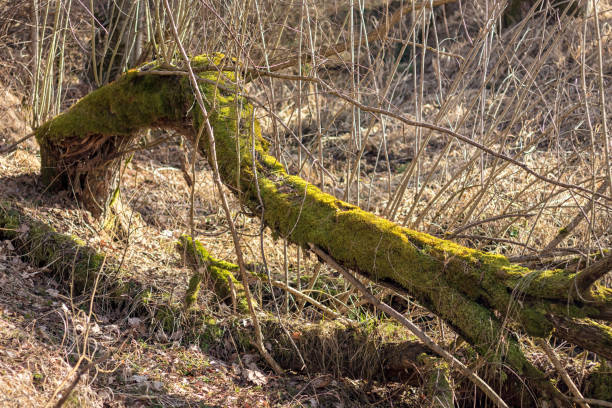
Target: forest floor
45,332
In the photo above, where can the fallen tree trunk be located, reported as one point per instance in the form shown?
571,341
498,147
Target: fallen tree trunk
482,296
225,284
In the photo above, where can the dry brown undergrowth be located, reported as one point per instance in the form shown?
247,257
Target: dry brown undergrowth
154,187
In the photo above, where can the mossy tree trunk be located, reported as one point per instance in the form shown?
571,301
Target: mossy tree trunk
82,151
472,291
381,352
342,349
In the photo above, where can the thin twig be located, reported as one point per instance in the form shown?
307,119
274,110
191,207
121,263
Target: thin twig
437,128
12,147
378,34
565,231
602,99
593,401
304,297
67,392
491,219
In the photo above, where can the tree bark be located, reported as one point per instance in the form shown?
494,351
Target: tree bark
482,296
386,352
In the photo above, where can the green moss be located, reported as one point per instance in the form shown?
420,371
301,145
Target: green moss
193,289
534,322
462,285
600,382
115,197
220,272
116,110
442,275
438,387
210,333
168,318
120,108
67,258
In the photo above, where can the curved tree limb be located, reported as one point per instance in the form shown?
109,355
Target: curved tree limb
484,387
386,351
467,288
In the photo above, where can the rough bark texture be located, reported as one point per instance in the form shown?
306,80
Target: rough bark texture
480,295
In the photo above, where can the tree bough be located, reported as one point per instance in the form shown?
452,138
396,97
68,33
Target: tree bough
481,295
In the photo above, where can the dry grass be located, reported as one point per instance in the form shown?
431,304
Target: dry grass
521,94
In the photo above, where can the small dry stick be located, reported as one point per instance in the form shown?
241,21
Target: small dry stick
82,357
12,147
233,293
479,382
305,298
480,222
552,356
593,401
82,372
311,283
564,232
437,128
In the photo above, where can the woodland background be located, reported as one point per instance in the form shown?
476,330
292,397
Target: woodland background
528,79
